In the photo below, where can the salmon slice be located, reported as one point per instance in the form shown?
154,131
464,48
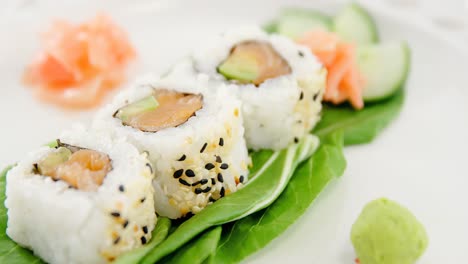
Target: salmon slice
269,63
91,56
344,82
84,169
173,110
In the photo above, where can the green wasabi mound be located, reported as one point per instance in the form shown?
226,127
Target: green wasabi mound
388,233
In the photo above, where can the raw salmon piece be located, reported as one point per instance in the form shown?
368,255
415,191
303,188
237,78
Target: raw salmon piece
268,62
85,170
174,109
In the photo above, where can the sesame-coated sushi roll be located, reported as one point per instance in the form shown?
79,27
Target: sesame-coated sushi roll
194,137
279,83
88,200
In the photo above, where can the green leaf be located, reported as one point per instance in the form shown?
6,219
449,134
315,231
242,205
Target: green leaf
266,185
253,232
360,126
197,250
159,233
259,158
10,252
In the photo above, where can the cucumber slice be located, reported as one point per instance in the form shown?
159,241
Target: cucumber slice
294,22
385,68
353,24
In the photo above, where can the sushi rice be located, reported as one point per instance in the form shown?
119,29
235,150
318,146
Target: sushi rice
62,224
196,162
280,110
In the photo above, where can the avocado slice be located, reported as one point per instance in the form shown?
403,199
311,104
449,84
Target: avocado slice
146,104
240,66
47,165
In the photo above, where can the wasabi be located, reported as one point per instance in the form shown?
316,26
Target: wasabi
388,233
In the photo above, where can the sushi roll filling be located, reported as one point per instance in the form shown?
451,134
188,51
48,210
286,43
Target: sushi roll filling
160,110
83,169
253,62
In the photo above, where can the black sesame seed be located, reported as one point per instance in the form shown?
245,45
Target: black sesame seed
301,54
301,96
35,168
125,224
189,173
182,158
198,190
224,166
178,173
203,148
207,189
197,183
220,177
296,140
209,166
213,181
316,96
142,200
222,192
184,182
145,229
149,167
121,188
241,179
218,159
211,199
143,240
116,241
221,142
204,181
115,214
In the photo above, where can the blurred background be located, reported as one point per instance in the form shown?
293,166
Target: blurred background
451,15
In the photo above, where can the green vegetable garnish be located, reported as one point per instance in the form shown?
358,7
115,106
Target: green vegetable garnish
146,104
52,160
197,250
362,126
241,67
255,231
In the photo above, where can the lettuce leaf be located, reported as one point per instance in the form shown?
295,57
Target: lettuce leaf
255,231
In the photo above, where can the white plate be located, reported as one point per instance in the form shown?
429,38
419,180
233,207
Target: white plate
420,160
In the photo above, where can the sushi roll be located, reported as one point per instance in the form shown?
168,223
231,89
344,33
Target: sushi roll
193,135
280,83
88,200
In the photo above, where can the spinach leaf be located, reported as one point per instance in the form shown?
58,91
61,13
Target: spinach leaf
266,185
159,233
197,250
360,126
253,232
10,252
